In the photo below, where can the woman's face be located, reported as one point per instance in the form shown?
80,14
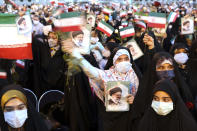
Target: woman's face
122,58
165,67
161,96
14,104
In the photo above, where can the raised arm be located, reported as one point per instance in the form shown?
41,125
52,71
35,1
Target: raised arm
91,71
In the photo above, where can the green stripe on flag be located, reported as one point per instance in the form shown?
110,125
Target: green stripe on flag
7,19
126,28
154,14
109,26
70,15
141,14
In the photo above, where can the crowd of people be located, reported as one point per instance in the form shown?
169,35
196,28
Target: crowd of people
99,81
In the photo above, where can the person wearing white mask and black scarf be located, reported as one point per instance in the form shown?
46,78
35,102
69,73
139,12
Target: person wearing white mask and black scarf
180,53
167,111
17,112
120,70
37,26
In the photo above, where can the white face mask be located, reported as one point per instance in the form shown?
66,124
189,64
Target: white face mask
94,39
16,118
78,42
52,43
123,67
35,22
181,58
106,53
162,108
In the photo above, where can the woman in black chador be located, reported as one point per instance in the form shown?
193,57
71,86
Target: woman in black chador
167,111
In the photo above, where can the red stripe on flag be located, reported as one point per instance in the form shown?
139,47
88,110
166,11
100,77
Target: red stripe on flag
107,13
3,77
17,53
67,29
175,18
128,35
141,26
19,65
102,30
154,25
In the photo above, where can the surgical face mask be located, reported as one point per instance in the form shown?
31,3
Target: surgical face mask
162,108
123,67
167,74
106,53
35,22
78,42
94,39
16,118
181,58
52,43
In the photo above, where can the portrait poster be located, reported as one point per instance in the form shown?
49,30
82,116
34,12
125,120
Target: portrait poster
116,94
24,25
91,19
187,25
160,32
134,49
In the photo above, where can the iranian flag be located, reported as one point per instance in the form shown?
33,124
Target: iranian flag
127,32
141,24
107,11
69,22
20,63
3,74
13,3
15,42
157,20
124,23
105,28
141,16
172,17
123,14
130,12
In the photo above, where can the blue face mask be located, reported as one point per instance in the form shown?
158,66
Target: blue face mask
168,74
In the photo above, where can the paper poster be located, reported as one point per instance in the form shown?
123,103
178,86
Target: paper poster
24,24
134,49
187,25
91,20
159,31
116,96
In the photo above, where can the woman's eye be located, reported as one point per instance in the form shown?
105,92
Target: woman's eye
155,98
166,99
9,109
21,107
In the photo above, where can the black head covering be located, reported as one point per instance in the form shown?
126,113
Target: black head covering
115,90
111,46
179,119
192,67
34,121
178,46
143,96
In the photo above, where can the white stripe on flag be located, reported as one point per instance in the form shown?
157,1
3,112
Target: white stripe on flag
15,38
66,22
158,20
126,32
